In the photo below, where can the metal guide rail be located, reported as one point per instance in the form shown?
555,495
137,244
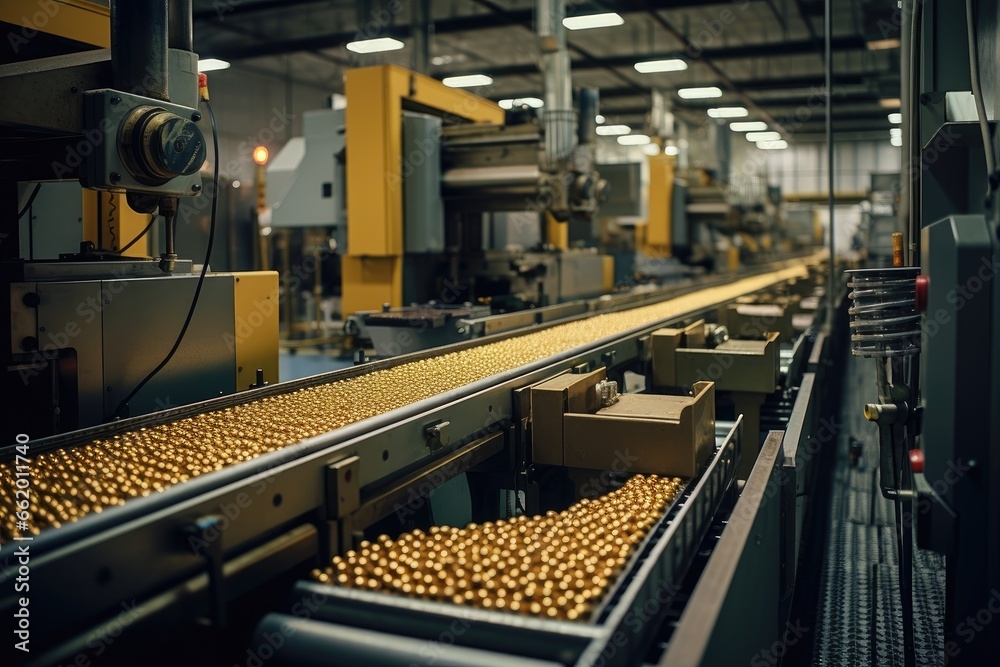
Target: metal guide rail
84,570
358,625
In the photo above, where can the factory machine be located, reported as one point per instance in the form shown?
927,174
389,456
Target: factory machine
435,198
95,328
626,480
587,491
929,322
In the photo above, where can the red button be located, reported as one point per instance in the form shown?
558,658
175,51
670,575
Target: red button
917,460
923,282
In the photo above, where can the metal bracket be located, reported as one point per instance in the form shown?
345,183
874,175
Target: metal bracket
343,487
208,530
437,434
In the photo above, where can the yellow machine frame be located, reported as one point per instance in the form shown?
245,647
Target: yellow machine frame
373,266
657,239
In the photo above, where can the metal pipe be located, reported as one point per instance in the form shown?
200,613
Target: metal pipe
180,33
421,29
831,297
473,177
905,107
139,47
586,128
556,83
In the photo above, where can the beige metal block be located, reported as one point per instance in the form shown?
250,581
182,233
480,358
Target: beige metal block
665,343
550,400
736,365
645,433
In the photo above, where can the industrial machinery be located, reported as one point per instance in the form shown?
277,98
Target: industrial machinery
930,322
449,199
275,508
94,328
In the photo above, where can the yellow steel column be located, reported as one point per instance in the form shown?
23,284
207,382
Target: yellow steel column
376,96
659,237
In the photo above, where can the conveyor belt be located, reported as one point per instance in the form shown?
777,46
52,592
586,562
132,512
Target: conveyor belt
558,566
74,482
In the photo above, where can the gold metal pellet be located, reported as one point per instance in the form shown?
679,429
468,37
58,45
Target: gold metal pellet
113,470
558,589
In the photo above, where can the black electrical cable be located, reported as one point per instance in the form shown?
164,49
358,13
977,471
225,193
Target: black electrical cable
122,410
977,95
31,200
152,219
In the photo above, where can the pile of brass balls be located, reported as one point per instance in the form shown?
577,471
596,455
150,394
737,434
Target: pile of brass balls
68,484
555,566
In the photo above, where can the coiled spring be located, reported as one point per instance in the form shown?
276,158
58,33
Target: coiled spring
884,318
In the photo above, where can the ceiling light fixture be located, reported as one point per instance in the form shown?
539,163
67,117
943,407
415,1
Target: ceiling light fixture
703,93
605,20
748,126
212,64
671,150
895,118
375,45
634,140
670,65
778,145
763,136
467,81
613,130
728,112
532,102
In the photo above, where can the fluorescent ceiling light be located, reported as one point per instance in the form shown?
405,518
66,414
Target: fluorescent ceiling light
532,102
671,150
896,141
889,102
613,130
467,81
600,119
212,64
895,132
882,44
605,20
763,136
728,112
699,93
651,149
895,118
634,140
748,126
778,145
375,45
671,65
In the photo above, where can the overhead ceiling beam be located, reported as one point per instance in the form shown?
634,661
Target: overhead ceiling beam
756,85
220,11
471,23
740,52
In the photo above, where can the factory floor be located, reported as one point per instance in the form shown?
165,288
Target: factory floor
847,599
